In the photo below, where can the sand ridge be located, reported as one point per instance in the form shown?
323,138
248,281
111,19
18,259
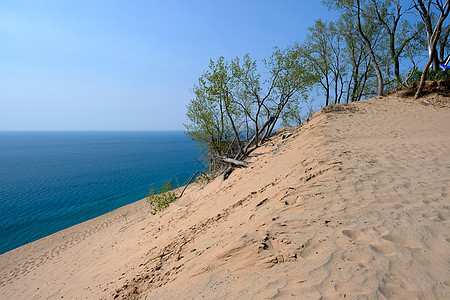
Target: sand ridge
354,205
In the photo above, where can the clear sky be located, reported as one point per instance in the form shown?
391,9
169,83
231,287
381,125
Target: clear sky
128,65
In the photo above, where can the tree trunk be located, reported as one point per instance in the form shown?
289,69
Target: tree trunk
423,78
255,136
236,133
373,59
380,79
433,40
431,60
271,123
394,57
443,43
435,61
432,35
397,70
256,129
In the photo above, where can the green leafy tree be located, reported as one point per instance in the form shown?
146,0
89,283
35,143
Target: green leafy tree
324,51
215,119
360,73
291,81
390,15
366,31
232,95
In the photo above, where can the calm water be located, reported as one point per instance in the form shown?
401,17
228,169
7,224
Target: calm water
50,181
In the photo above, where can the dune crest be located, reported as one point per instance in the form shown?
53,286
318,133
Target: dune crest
355,204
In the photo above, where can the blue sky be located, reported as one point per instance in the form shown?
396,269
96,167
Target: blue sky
128,65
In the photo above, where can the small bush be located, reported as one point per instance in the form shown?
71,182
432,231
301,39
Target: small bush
437,75
160,199
415,76
431,75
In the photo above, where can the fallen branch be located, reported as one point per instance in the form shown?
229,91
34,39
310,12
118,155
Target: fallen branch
193,176
286,135
234,162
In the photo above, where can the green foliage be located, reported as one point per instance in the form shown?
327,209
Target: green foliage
324,49
415,76
233,100
388,34
439,74
291,115
125,215
214,116
431,75
160,199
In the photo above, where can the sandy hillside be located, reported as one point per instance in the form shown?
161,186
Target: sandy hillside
354,205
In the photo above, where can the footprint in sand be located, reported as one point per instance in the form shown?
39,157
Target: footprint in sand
401,240
381,248
290,199
359,255
436,217
358,236
384,248
381,230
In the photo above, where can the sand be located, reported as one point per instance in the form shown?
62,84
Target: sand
354,205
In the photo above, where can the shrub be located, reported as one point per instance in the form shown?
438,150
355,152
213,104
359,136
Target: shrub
160,199
437,75
415,76
431,75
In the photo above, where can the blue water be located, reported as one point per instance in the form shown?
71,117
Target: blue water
50,181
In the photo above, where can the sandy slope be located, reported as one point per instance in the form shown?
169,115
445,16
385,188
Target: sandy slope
354,205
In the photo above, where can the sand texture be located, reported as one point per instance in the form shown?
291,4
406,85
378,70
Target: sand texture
354,205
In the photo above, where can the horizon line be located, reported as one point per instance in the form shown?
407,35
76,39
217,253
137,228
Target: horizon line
84,130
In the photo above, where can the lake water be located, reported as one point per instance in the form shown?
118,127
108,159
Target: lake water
50,181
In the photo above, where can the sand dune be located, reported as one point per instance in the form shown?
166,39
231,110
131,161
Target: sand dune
354,205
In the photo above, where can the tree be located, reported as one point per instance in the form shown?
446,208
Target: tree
213,118
323,50
389,14
265,102
229,94
433,33
220,86
249,91
291,80
414,51
356,57
367,32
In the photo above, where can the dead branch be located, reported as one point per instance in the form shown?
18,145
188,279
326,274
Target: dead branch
193,176
235,162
